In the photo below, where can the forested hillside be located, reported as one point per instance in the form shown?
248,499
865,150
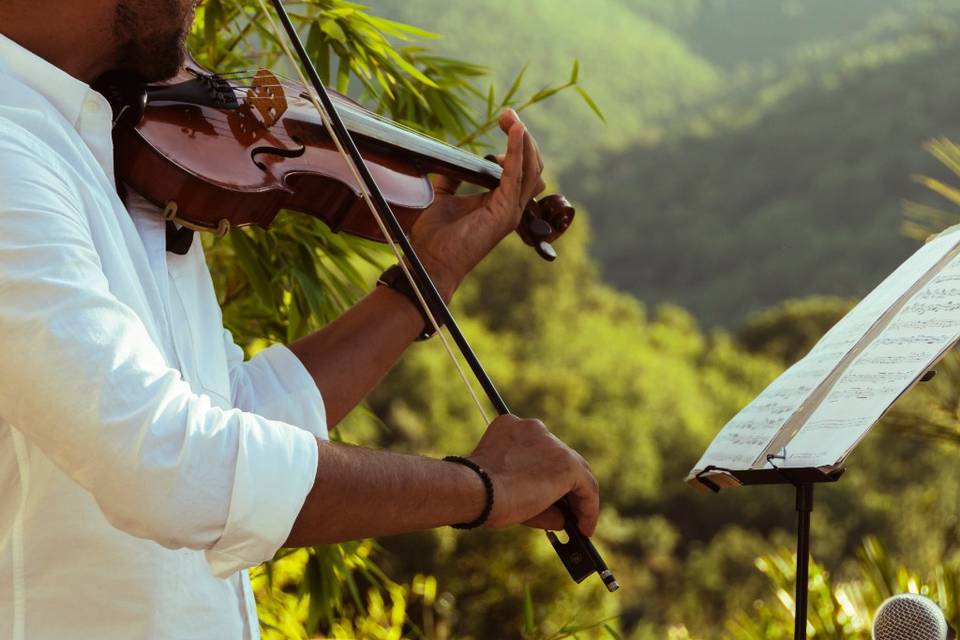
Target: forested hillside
806,199
753,151
637,70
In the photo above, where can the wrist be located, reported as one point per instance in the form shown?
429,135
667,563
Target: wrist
476,487
444,278
418,299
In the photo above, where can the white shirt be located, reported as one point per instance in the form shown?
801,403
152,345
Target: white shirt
143,465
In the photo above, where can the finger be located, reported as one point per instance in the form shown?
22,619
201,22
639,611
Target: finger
536,151
539,154
498,158
506,119
585,502
445,184
550,519
532,165
510,181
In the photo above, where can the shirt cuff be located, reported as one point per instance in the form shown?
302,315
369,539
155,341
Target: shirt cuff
276,468
296,399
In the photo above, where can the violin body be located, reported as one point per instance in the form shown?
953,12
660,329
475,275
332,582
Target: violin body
224,163
204,150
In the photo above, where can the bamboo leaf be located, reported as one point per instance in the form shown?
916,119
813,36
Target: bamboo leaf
950,193
543,94
590,103
514,87
333,30
529,625
246,253
409,68
343,74
319,51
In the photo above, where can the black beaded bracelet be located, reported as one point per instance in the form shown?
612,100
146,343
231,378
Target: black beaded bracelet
396,279
487,484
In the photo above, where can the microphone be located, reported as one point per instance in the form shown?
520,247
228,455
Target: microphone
909,616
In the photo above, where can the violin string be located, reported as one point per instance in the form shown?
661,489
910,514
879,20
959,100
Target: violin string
361,112
365,194
358,109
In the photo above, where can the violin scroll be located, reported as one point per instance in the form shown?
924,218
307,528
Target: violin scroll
544,221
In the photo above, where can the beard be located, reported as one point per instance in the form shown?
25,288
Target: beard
151,36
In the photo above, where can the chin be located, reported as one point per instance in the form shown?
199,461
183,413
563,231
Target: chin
154,64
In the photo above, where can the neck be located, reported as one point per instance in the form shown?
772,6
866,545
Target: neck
77,37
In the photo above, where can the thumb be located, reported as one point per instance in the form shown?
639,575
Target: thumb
445,184
550,519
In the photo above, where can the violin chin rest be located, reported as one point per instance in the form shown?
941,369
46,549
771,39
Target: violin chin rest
125,92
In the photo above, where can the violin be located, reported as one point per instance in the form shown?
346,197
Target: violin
217,155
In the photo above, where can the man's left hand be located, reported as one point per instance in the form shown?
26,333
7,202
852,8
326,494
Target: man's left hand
455,232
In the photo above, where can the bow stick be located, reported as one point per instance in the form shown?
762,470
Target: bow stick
578,554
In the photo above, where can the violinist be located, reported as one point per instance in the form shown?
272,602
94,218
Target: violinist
144,465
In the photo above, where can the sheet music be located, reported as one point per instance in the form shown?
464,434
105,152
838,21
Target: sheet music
919,334
741,443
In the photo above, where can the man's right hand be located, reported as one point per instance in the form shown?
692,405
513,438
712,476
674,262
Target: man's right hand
361,492
531,469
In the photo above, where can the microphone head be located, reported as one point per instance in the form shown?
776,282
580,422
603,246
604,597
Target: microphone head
908,616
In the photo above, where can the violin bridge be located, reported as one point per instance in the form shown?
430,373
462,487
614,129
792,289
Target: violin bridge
267,97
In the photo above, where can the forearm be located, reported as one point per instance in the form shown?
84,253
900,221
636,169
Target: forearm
362,493
350,355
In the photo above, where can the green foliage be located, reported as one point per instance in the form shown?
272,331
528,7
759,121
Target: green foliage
786,332
768,36
295,598
840,610
801,200
922,220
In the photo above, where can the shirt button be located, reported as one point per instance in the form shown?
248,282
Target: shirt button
91,106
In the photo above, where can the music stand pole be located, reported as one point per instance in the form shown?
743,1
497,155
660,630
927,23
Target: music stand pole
804,507
802,479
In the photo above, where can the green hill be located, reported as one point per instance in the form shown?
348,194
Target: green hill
805,199
638,71
765,33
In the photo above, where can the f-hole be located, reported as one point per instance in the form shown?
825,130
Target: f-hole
276,151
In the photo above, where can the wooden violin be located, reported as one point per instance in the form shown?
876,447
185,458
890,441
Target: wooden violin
215,155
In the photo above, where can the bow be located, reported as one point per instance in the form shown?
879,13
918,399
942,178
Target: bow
578,553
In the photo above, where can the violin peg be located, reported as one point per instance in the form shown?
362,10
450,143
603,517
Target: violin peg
557,211
546,251
543,222
538,228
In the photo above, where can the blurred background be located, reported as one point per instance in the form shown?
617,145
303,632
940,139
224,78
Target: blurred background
744,170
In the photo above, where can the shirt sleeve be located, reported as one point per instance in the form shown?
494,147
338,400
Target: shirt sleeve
275,384
84,382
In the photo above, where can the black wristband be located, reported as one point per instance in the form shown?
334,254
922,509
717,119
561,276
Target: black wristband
396,279
487,484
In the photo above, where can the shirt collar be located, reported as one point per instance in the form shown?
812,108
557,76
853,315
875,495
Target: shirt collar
64,92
